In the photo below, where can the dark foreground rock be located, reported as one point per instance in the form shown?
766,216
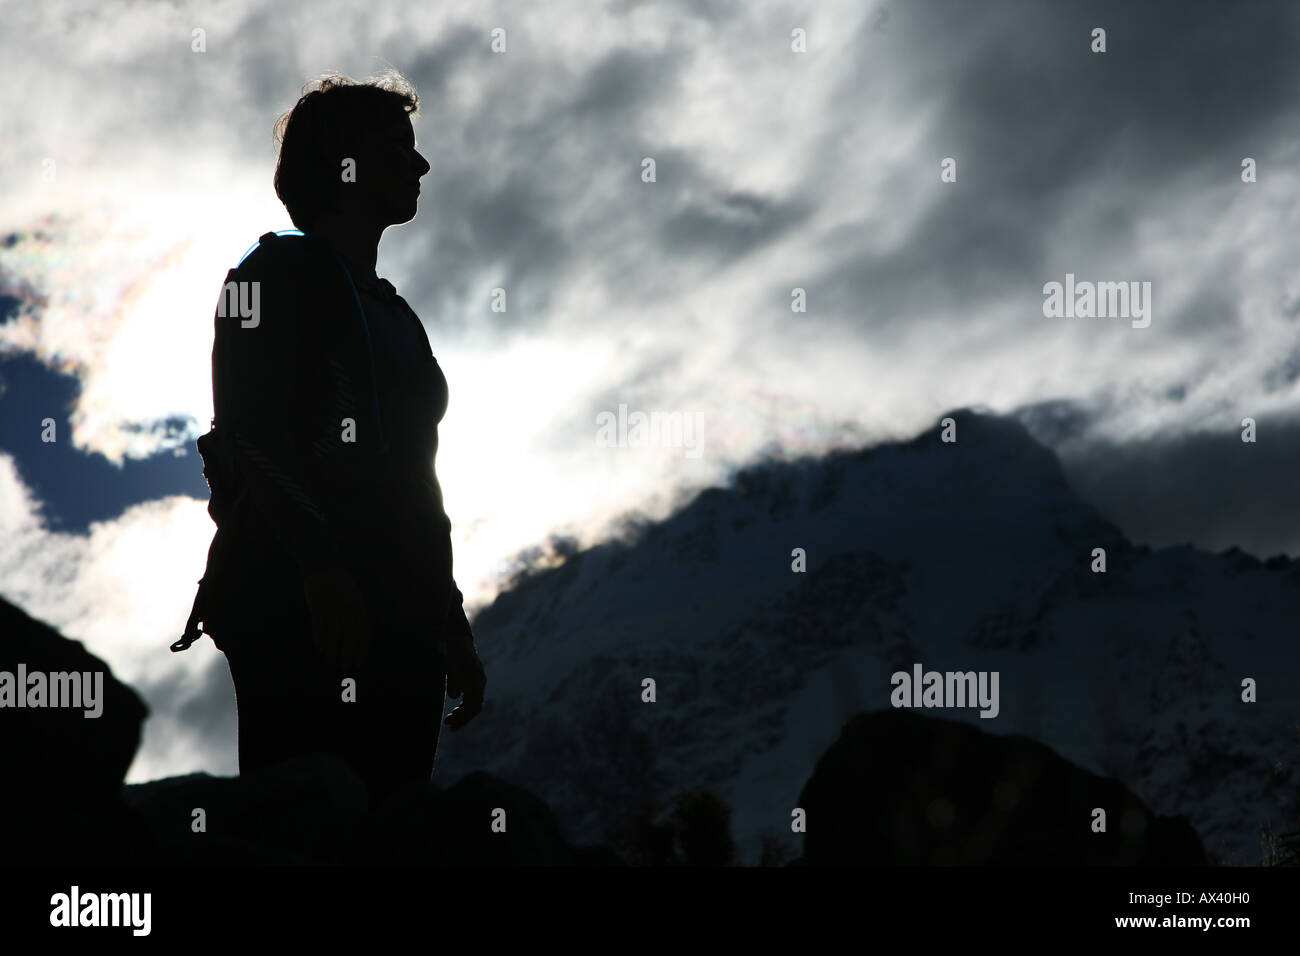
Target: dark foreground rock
61,771
49,752
898,789
313,810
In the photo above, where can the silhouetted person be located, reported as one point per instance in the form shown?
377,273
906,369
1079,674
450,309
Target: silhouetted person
336,561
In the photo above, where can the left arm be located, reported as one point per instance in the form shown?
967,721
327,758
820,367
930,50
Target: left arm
465,673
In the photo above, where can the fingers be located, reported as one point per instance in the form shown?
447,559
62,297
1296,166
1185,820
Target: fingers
459,717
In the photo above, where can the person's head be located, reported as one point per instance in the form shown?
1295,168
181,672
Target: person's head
339,119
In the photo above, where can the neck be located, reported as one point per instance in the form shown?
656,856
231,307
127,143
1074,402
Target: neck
355,240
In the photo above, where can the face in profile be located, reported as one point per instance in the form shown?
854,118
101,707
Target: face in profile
388,173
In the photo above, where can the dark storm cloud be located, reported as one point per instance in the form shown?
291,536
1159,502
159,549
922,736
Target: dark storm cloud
1210,489
1040,126
530,189
1284,373
512,227
1056,421
623,85
725,227
544,192
1198,487
1181,84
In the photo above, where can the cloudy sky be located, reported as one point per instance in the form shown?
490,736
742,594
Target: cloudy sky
795,146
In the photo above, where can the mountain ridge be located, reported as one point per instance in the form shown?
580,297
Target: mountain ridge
967,555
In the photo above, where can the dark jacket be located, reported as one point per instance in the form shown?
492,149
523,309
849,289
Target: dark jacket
316,489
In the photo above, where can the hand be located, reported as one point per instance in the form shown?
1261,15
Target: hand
464,675
340,628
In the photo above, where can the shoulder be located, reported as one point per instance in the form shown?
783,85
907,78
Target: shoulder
290,271
292,284
291,257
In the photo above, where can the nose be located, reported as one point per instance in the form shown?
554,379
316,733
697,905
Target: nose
422,165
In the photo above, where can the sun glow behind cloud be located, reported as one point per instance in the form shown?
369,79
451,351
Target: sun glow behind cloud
127,291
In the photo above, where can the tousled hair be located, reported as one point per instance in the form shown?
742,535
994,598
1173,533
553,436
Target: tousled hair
333,114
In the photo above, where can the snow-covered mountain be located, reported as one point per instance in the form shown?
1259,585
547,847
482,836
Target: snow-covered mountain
973,555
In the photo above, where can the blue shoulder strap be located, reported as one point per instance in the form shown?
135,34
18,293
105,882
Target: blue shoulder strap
264,237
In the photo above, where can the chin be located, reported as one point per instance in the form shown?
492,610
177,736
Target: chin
400,216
